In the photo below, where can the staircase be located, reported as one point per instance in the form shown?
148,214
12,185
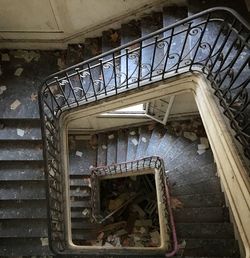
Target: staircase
202,220
201,216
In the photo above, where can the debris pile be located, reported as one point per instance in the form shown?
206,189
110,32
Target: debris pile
128,213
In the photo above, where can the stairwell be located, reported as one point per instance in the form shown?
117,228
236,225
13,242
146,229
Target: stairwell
202,218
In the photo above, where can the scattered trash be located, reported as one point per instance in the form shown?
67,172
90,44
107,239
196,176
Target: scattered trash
201,151
134,141
202,147
18,71
33,96
190,135
104,147
176,203
132,133
5,57
204,141
15,104
79,153
85,212
60,63
28,56
122,216
143,139
111,137
2,89
44,241
20,132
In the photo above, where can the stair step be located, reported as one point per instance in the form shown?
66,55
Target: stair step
194,176
27,209
205,230
150,24
80,204
144,138
211,247
21,170
102,150
21,150
201,200
129,32
122,145
26,190
172,14
133,140
166,144
112,148
179,146
22,247
80,165
23,228
81,234
211,185
194,163
110,40
201,215
31,128
155,139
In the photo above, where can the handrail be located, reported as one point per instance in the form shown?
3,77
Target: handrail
214,42
134,166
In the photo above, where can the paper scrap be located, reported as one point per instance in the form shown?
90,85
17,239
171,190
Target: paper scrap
134,141
111,136
15,104
132,133
44,241
2,89
20,132
85,212
5,57
143,139
79,153
104,147
18,71
33,96
201,151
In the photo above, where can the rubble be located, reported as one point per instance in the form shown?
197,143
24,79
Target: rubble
134,141
2,89
79,153
20,132
5,57
128,213
111,137
190,135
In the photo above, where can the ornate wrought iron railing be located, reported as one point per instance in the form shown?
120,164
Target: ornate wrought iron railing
214,42
139,167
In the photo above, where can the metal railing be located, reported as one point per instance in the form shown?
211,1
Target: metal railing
214,42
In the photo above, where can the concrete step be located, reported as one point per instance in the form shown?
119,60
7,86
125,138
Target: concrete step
205,230
21,150
201,215
20,129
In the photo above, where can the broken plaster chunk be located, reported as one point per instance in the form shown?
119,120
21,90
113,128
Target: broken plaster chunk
85,212
132,133
2,89
104,147
204,141
134,141
202,147
5,57
20,132
190,135
18,71
143,139
28,56
79,153
111,137
44,241
201,151
15,104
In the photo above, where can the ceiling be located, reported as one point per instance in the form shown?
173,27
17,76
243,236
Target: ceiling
58,22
